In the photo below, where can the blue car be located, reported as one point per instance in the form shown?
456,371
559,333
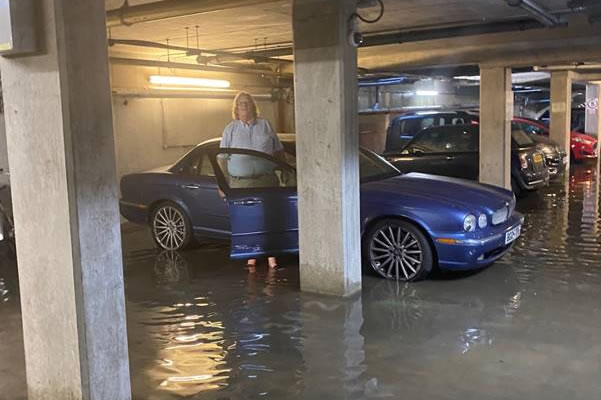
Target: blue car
409,222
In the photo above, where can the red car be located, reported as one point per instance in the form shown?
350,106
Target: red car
581,146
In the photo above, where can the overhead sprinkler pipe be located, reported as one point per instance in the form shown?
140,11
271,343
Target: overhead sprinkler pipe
538,12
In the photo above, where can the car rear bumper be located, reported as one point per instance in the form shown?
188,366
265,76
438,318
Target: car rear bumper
473,253
133,212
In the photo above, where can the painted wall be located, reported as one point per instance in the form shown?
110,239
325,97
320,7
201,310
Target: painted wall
152,131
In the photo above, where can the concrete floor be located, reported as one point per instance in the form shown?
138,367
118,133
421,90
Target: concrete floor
201,326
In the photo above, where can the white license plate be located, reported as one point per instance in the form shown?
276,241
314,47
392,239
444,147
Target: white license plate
513,234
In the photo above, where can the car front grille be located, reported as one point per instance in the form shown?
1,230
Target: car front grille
500,216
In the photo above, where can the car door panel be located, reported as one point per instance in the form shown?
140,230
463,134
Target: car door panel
262,201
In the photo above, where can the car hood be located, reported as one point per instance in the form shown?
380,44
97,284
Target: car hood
452,192
542,139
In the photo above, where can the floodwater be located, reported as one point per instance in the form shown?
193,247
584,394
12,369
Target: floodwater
203,327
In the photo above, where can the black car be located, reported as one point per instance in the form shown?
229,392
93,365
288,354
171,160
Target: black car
404,127
453,150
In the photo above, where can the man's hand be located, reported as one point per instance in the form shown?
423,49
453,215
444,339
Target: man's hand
221,194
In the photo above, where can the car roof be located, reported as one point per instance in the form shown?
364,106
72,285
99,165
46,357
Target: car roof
285,137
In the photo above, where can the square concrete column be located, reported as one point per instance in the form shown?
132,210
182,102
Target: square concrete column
61,153
561,109
593,111
496,113
325,81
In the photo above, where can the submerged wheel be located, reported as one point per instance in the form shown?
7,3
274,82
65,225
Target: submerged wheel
171,229
397,249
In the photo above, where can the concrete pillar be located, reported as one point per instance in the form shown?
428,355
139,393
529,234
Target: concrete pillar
561,109
60,149
593,111
3,152
325,81
496,112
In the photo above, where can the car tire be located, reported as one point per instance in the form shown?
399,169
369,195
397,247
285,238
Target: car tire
170,226
397,249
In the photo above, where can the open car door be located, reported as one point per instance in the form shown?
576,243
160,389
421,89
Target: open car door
262,199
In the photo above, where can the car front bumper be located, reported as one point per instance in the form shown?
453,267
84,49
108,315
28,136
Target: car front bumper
477,251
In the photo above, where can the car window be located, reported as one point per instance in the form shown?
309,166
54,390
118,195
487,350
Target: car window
199,165
243,170
452,139
520,138
373,167
533,129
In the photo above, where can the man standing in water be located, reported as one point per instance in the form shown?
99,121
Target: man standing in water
248,131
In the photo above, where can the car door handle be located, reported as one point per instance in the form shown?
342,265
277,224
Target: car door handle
449,158
248,202
191,187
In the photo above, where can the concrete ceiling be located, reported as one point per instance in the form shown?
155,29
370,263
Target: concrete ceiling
268,25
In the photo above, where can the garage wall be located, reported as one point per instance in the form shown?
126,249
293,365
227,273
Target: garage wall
3,151
152,130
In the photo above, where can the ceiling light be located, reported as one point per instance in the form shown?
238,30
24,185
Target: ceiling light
184,81
426,92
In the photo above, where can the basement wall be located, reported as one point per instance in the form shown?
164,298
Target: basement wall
152,131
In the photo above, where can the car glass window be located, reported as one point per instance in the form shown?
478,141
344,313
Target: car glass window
410,126
457,121
242,170
199,165
373,167
452,139
533,129
427,122
520,138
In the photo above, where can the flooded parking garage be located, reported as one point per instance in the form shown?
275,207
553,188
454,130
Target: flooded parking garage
201,326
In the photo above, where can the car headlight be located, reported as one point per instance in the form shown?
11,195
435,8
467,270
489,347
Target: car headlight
482,221
469,223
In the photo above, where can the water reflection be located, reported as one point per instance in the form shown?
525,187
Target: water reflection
202,326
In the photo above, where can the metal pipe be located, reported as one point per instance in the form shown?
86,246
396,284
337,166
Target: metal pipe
128,15
166,64
443,33
156,94
538,12
566,67
383,82
193,51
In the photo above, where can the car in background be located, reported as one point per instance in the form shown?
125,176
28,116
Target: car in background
582,146
453,150
555,158
404,127
409,222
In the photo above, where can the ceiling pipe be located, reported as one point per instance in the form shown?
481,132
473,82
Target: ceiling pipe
204,55
582,5
538,12
566,67
166,64
129,15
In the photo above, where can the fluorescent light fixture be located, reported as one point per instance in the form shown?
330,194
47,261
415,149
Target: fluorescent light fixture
185,81
426,92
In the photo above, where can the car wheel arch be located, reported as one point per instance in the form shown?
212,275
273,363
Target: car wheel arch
373,221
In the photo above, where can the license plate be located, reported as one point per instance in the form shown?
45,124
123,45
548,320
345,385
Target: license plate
538,158
513,234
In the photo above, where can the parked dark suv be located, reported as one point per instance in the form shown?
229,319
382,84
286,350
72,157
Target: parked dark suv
453,150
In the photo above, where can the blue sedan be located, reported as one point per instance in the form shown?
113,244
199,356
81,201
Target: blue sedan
409,222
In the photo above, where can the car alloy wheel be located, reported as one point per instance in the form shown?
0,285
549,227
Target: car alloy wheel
170,227
398,250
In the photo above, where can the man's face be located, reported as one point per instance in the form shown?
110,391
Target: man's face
244,106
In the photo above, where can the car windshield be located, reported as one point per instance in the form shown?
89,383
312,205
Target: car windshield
521,138
371,166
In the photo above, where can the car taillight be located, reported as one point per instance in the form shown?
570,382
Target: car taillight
523,161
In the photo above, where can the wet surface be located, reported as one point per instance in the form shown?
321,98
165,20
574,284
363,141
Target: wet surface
201,326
